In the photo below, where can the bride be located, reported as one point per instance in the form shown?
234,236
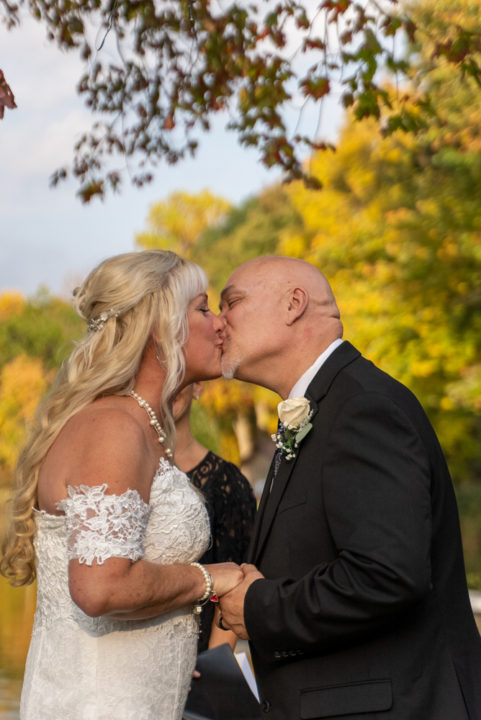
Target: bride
104,521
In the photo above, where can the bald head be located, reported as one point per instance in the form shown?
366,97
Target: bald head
280,315
285,274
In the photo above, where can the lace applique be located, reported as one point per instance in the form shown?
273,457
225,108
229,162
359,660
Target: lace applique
101,526
102,667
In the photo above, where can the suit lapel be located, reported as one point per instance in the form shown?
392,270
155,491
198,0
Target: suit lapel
260,513
342,356
269,503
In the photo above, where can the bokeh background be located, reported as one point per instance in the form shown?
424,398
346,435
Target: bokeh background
396,228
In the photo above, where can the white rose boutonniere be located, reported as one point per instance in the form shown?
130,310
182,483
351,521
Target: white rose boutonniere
295,415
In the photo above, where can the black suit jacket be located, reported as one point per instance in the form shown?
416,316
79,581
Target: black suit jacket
364,612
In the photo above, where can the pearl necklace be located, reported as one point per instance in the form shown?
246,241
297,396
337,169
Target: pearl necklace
154,421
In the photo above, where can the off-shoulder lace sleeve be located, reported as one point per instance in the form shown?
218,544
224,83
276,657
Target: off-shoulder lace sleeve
101,526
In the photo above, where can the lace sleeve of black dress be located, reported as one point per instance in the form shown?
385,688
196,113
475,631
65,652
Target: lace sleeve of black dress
231,506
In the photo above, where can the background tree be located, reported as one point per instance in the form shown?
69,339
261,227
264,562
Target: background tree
405,215
406,261
162,71
22,384
42,326
249,230
36,334
178,222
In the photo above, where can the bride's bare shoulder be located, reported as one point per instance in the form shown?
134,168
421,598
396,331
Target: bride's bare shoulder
105,442
112,411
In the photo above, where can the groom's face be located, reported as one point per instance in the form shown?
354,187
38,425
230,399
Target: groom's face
250,310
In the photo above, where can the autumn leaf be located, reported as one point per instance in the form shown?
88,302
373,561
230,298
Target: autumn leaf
7,99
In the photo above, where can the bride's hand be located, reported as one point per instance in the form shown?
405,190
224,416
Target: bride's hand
225,576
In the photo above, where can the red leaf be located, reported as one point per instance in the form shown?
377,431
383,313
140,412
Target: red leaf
7,99
169,122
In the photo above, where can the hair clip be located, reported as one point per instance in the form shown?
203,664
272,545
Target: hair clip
97,324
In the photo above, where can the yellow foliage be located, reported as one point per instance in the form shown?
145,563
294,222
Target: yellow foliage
18,606
11,303
292,244
177,222
448,251
228,448
446,403
221,396
428,206
22,384
394,154
422,368
398,216
266,417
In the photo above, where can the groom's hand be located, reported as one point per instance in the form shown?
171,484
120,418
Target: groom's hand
232,603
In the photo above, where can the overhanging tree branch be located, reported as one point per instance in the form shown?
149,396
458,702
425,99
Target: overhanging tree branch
181,62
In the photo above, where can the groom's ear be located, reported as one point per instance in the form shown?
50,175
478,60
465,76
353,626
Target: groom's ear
297,300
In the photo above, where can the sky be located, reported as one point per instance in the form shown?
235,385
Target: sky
47,237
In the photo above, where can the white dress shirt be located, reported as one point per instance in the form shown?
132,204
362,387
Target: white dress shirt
299,389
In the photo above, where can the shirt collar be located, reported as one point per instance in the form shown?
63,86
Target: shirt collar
299,389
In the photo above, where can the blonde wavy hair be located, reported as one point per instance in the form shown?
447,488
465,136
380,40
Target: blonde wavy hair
125,300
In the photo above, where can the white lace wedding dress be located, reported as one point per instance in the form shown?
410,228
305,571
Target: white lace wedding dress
83,668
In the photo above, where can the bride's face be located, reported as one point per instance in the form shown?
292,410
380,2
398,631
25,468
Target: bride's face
203,348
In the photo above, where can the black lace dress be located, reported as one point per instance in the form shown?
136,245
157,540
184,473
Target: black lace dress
231,507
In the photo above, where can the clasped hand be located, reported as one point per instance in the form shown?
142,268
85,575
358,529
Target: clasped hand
231,583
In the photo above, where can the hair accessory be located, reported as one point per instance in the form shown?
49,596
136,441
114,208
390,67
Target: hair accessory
209,588
98,323
154,420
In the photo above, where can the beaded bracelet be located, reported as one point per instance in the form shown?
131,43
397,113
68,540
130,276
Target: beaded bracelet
209,588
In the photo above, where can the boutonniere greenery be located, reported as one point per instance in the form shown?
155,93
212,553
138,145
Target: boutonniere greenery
294,415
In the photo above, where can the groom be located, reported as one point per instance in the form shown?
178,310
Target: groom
356,603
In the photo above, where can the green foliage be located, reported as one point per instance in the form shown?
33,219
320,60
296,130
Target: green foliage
397,230
405,214
42,328
219,237
250,230
204,427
